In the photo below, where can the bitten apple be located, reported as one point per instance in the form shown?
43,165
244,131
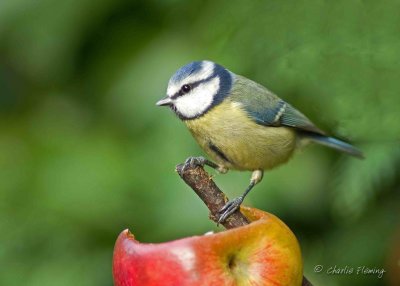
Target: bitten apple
265,252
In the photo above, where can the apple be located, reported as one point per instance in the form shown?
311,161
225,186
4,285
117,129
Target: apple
264,252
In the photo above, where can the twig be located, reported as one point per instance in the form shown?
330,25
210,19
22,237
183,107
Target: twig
203,185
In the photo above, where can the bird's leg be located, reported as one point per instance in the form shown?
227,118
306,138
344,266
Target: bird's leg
201,161
231,206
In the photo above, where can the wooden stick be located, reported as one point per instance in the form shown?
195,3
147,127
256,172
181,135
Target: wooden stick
203,185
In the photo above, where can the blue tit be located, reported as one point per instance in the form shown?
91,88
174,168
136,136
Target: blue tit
239,123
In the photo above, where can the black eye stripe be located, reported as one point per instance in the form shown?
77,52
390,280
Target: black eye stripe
193,85
226,79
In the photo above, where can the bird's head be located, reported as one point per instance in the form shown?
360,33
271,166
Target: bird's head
196,87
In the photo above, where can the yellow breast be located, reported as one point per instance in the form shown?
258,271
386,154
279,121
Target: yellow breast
235,141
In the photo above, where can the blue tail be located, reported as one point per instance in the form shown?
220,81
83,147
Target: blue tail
335,144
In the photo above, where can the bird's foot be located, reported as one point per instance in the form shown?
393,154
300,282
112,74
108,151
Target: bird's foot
229,208
193,162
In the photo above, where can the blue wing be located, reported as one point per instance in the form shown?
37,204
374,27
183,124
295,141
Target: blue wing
267,109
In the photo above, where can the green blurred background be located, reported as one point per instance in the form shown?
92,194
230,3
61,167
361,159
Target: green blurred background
85,153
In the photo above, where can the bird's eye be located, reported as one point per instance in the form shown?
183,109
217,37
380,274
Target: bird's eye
186,88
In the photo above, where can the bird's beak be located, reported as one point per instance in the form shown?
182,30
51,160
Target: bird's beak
165,101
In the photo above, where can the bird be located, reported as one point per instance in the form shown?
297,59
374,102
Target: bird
240,124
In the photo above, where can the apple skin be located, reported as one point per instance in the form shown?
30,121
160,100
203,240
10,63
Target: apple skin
264,252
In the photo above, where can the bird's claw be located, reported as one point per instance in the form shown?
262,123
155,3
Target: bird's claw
192,162
229,208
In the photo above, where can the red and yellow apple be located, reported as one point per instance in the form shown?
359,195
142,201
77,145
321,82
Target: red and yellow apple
264,252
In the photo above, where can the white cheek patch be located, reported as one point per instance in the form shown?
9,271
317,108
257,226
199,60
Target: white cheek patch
198,100
207,69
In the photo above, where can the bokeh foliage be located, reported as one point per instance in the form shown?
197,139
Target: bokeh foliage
84,153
